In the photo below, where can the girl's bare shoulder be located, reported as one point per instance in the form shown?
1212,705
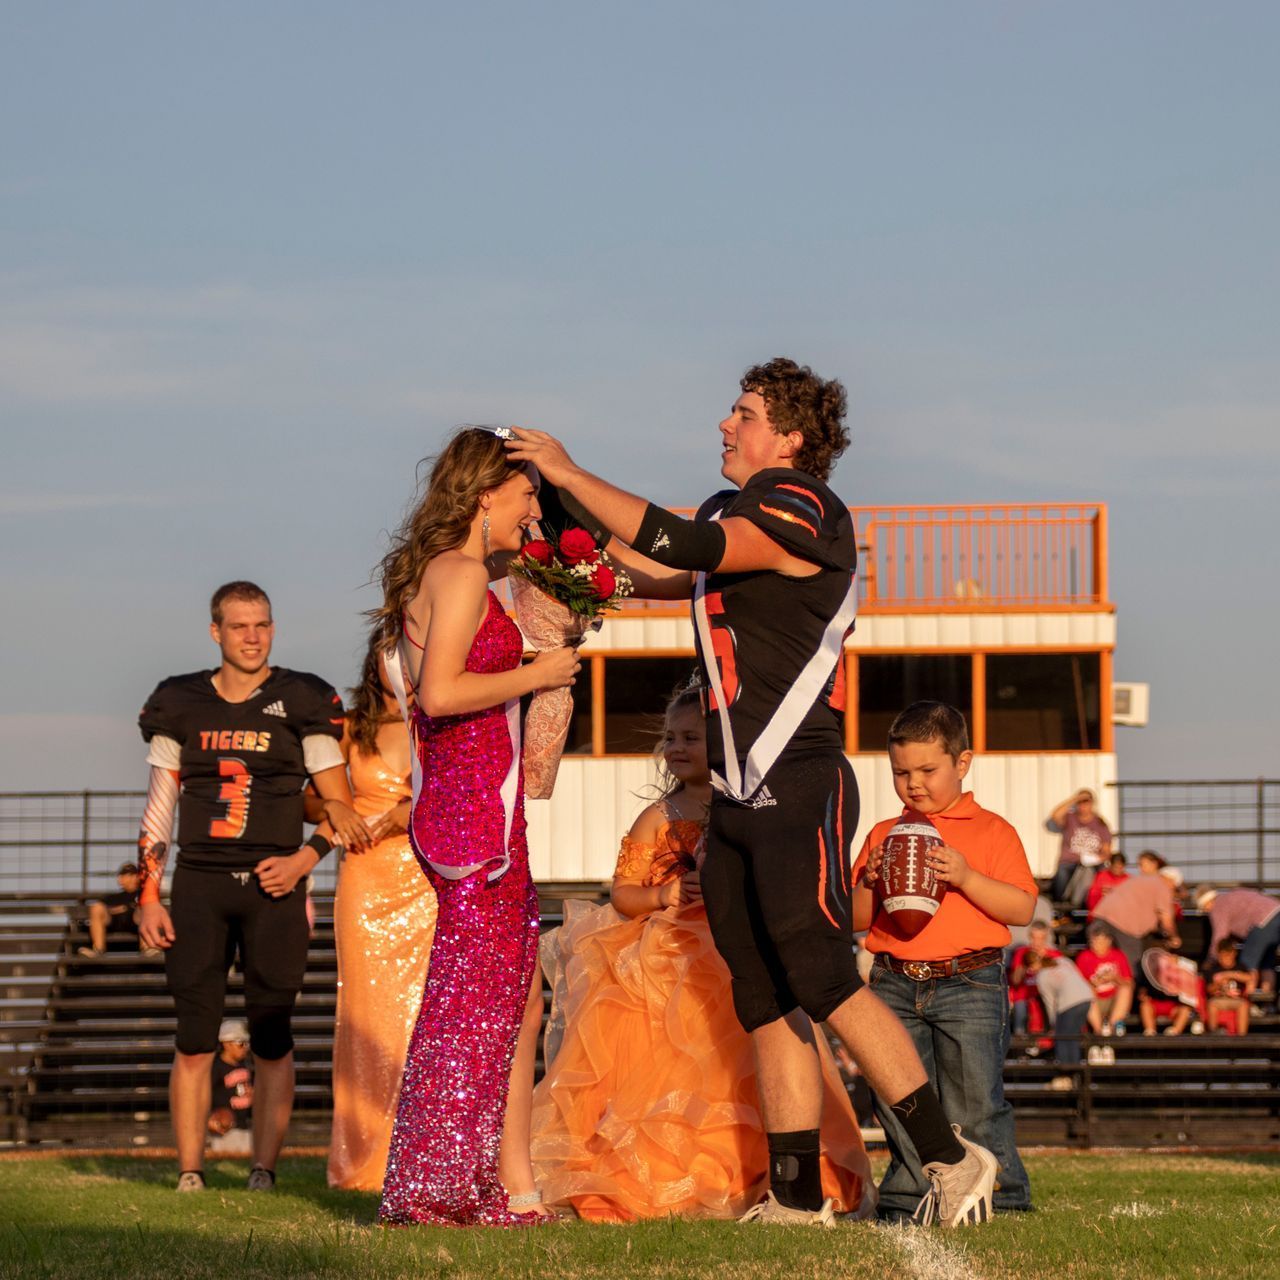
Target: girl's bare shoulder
451,572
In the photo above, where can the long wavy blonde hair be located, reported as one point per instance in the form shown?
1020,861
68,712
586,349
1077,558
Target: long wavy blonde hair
473,462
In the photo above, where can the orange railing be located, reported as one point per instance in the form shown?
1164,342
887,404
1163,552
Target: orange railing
975,558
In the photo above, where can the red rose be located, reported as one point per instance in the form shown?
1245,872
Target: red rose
539,551
577,546
604,581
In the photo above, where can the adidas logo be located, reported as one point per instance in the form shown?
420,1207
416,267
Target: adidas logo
762,799
276,709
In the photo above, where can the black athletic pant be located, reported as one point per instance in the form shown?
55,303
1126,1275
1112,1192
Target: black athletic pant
217,914
778,886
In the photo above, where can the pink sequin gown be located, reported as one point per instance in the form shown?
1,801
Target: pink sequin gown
443,1163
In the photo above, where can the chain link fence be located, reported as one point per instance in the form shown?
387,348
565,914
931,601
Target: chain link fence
72,841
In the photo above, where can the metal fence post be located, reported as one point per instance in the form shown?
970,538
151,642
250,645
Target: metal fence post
1262,829
84,844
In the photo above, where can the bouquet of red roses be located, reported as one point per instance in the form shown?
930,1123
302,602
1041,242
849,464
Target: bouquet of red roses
561,592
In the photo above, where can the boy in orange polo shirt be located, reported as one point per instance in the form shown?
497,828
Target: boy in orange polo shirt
947,983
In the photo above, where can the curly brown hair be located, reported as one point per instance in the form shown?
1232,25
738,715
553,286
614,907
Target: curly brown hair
799,400
367,705
471,463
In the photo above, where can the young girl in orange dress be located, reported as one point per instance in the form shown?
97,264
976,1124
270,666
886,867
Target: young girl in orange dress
649,1105
384,917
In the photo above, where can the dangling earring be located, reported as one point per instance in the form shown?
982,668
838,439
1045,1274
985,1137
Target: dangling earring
484,534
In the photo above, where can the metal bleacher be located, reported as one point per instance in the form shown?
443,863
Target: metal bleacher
86,1043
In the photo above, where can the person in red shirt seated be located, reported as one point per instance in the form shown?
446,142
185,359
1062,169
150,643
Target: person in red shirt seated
1108,973
1113,874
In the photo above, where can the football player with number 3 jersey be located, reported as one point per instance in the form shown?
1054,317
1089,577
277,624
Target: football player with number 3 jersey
770,570
232,749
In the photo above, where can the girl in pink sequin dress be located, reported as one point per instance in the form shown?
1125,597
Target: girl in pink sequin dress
460,1145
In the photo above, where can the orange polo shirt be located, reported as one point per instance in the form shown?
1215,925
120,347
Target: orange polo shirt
990,845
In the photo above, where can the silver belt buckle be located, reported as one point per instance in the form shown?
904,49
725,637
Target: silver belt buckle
918,970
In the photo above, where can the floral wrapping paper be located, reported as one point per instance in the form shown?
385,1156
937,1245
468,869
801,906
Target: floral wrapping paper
546,624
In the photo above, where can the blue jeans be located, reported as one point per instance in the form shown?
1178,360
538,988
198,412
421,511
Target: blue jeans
960,1027
1258,951
1068,1027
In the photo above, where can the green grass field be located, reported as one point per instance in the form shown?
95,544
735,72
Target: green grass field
1118,1217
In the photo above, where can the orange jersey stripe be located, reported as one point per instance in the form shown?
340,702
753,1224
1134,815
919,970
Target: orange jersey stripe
790,517
805,493
822,879
844,882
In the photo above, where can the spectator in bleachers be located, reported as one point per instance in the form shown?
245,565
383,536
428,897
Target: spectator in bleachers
1067,998
1107,972
1177,883
1109,877
1253,918
1025,1009
230,1120
1153,1006
1020,934
1086,844
114,912
1141,906
1228,987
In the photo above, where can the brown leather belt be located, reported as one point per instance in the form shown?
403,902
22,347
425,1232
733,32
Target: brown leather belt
924,970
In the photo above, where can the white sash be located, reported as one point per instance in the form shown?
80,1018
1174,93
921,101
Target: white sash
793,708
391,663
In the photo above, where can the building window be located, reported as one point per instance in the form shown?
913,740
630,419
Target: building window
1043,702
636,692
888,683
579,740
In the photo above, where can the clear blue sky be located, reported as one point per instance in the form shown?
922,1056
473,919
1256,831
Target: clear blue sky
257,259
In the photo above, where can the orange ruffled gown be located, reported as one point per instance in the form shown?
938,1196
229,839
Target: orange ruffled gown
649,1104
384,917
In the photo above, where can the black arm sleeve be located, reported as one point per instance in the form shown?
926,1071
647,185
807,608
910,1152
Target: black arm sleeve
679,543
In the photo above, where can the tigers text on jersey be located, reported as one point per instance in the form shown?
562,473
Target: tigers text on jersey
242,767
766,629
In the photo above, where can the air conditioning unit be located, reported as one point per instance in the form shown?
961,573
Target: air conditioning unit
1130,703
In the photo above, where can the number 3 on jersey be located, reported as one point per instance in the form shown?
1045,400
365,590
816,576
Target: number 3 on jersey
722,646
234,792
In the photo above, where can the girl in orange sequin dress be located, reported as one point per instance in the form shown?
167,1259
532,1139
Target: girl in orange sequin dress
649,1103
384,917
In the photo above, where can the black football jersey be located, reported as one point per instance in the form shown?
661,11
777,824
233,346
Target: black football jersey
242,769
766,626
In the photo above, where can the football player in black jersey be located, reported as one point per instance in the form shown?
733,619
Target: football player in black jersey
232,748
770,568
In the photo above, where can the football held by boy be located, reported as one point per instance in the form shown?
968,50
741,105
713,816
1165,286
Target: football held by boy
231,749
769,566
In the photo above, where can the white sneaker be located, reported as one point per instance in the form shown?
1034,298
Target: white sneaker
773,1211
962,1193
190,1181
261,1179
1061,1084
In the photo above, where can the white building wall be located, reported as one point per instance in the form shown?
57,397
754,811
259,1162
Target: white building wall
901,631
574,836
